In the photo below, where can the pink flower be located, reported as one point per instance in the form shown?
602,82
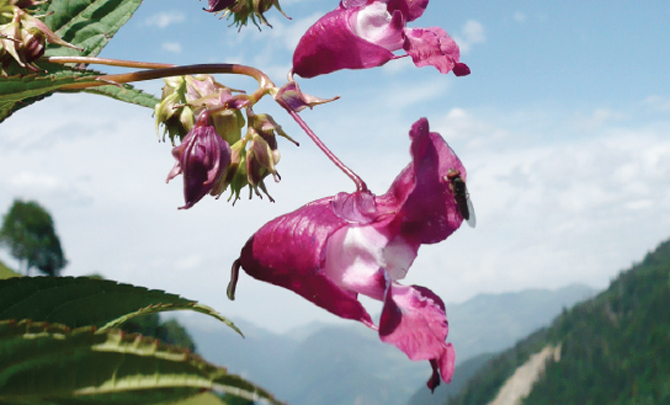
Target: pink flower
202,157
361,34
333,249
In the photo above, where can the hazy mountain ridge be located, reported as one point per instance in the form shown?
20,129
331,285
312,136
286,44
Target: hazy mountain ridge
615,348
325,364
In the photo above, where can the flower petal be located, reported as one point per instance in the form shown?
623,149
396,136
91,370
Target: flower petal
414,320
361,258
375,24
411,9
433,46
289,251
330,45
426,204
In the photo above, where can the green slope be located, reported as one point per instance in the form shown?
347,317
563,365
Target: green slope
6,272
615,348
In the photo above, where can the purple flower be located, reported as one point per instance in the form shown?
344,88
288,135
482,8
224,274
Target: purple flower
219,5
202,157
361,34
333,249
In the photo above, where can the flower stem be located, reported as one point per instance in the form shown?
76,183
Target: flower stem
360,184
162,70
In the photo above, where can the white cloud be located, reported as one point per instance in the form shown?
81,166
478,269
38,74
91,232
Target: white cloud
174,47
164,19
472,33
596,119
657,103
577,209
520,17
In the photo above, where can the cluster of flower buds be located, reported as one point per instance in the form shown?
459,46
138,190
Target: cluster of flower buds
213,155
23,37
243,10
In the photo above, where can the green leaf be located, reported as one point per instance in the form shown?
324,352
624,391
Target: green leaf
43,363
126,93
84,301
19,91
88,24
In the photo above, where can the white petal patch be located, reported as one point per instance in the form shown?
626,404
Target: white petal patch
355,255
398,255
372,24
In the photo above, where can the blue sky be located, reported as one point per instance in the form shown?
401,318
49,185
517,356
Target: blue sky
563,126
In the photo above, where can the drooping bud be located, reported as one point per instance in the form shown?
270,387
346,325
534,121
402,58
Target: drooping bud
202,158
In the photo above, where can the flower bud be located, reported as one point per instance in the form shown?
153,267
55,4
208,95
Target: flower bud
22,36
236,175
203,158
261,161
172,111
187,97
34,42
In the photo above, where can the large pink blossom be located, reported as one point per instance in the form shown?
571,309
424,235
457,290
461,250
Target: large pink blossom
333,249
361,34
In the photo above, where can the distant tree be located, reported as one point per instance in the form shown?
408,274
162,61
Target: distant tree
170,331
28,231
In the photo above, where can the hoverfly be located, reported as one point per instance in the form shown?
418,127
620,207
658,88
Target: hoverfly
461,195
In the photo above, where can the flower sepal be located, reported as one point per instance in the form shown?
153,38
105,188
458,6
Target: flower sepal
291,96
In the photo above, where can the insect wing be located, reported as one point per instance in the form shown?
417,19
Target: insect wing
471,219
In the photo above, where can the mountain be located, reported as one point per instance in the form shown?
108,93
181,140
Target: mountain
612,349
489,323
462,375
325,364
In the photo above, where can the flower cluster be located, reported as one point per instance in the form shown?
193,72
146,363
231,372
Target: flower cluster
361,34
335,248
244,10
213,154
23,37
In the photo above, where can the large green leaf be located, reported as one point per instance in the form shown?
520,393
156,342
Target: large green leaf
84,301
88,24
43,363
17,92
126,93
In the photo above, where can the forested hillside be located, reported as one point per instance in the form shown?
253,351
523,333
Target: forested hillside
615,348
